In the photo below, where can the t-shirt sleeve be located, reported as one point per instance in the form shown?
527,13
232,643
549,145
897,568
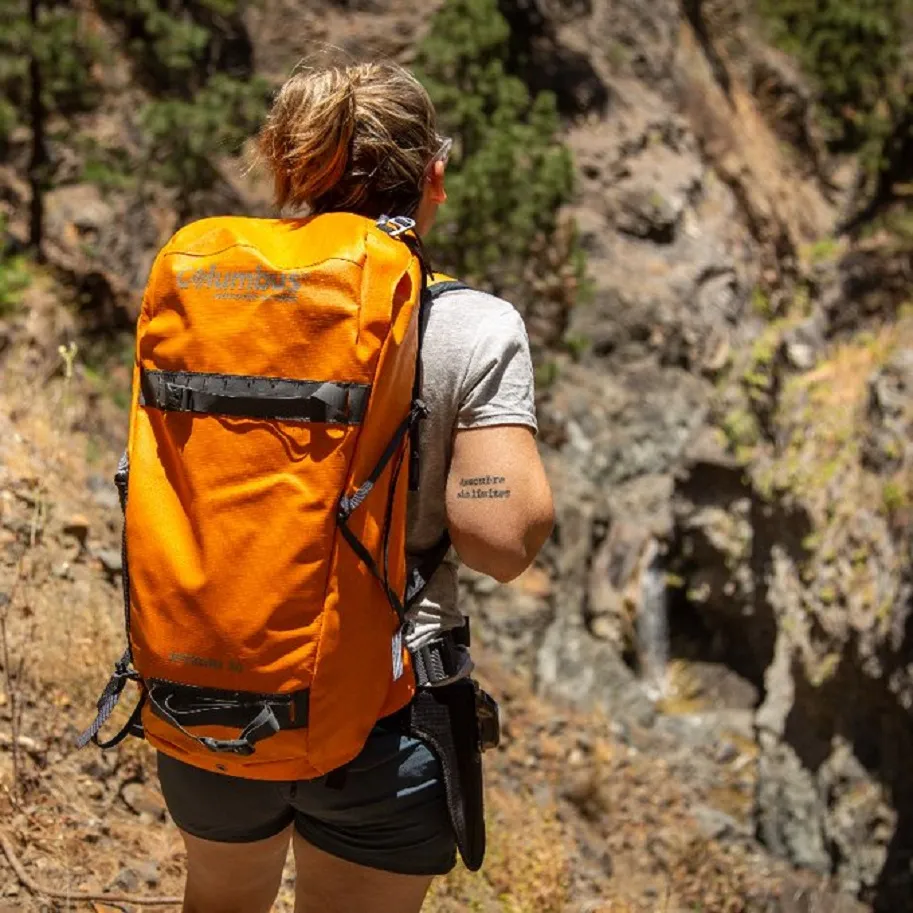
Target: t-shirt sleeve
498,387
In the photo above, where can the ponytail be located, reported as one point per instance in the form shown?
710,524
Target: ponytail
307,137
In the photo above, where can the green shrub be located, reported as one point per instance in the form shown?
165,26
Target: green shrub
46,56
185,139
510,174
857,53
854,51
205,101
15,276
64,52
175,44
741,429
894,496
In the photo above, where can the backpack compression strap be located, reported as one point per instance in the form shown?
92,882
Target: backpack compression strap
424,570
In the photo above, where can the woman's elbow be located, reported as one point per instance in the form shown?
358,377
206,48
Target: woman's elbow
501,564
512,552
540,529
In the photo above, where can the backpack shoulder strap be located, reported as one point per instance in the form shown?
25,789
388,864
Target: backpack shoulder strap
440,288
441,283
430,561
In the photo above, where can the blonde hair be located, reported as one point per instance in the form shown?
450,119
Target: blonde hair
356,138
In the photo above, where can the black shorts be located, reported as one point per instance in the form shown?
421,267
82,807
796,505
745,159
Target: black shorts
389,810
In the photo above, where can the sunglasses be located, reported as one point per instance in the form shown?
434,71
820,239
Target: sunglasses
442,155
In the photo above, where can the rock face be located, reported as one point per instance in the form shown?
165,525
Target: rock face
698,415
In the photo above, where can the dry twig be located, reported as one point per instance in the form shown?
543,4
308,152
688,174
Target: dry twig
40,890
13,681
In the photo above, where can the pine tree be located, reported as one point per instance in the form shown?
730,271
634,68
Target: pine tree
854,51
509,174
46,76
205,101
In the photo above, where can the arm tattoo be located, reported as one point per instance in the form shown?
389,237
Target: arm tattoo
483,487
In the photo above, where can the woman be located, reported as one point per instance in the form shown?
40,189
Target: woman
362,139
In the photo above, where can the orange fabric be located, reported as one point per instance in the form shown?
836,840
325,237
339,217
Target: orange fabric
240,579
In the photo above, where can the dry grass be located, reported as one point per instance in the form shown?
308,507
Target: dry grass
818,425
77,613
738,140
528,867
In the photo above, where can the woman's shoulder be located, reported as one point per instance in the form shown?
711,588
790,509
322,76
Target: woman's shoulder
466,323
459,301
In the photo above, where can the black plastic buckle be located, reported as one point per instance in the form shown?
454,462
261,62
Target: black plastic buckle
177,398
462,636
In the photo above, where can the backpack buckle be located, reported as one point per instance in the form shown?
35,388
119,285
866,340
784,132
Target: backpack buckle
178,398
395,226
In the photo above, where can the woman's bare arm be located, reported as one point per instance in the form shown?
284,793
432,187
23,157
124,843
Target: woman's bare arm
499,503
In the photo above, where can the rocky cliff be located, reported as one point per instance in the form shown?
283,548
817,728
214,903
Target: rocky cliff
733,421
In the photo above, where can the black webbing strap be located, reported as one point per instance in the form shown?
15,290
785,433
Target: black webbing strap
441,662
123,672
424,303
430,291
421,574
439,288
258,716
348,505
367,559
252,396
388,515
108,701
133,726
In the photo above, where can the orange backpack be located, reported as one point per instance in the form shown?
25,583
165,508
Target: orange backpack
275,398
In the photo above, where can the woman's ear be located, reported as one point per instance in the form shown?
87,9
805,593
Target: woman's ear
437,192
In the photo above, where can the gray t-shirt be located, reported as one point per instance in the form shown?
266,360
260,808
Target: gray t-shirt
476,371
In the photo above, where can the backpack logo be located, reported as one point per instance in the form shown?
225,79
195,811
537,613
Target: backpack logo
243,284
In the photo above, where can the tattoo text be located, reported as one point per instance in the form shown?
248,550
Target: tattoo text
484,487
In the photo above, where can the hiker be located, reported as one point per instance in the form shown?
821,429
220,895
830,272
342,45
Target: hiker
317,418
